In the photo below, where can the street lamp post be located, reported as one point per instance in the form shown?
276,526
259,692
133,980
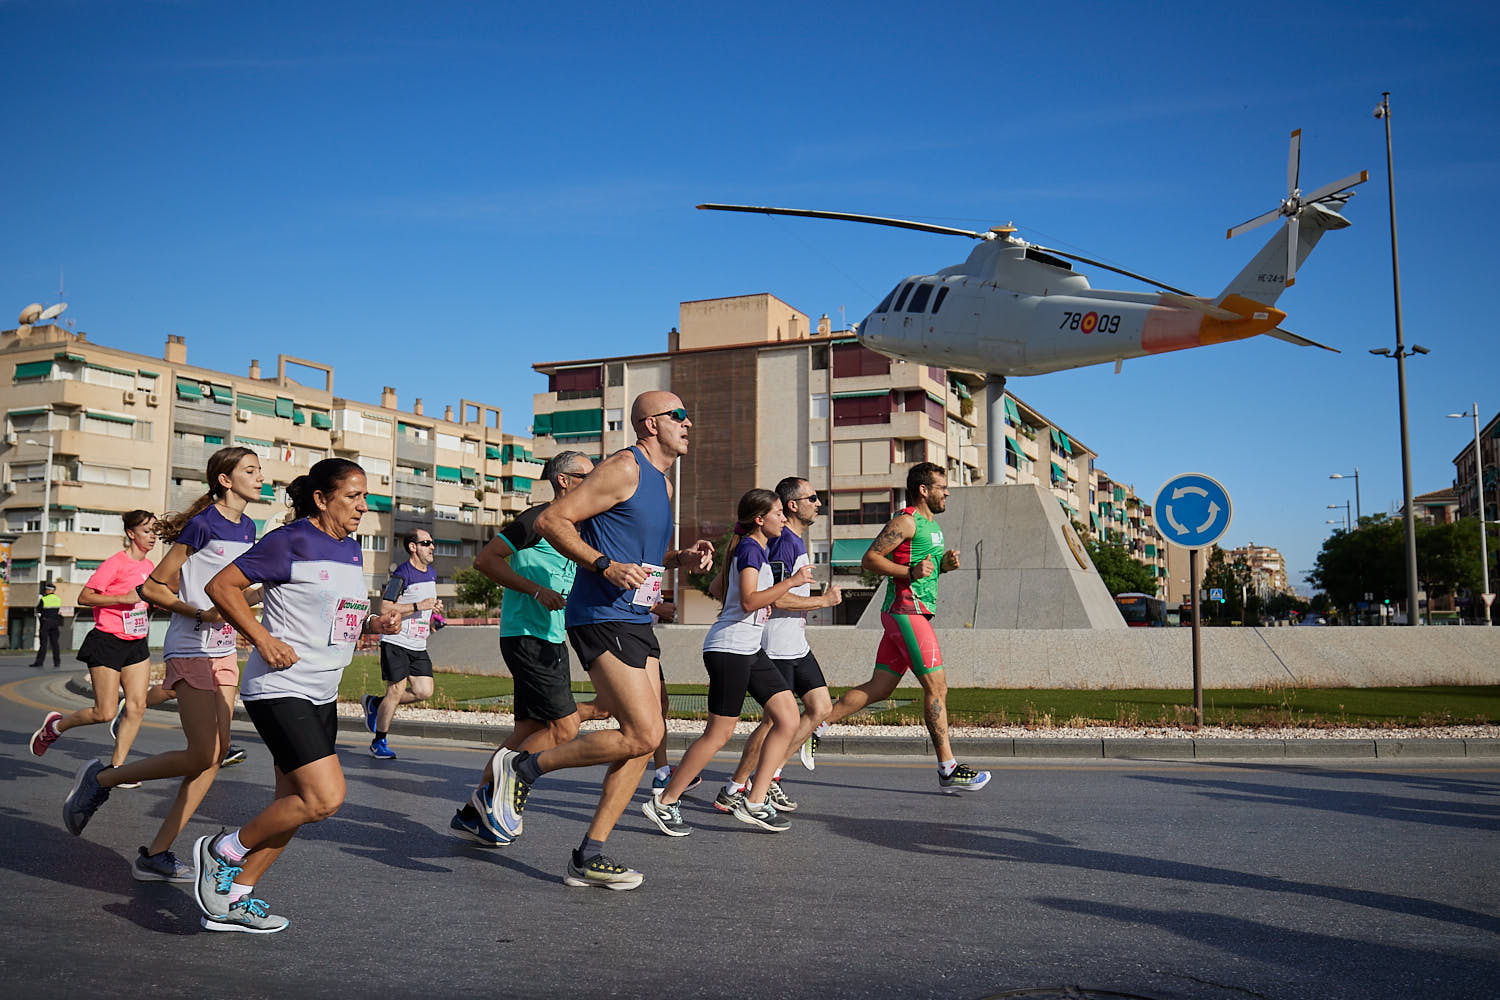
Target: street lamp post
1355,477
1383,111
1484,549
1345,506
41,573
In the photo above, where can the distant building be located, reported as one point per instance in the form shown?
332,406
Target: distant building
130,431
1267,568
1437,507
1466,474
1117,515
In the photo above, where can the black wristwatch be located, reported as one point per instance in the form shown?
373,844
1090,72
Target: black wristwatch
601,564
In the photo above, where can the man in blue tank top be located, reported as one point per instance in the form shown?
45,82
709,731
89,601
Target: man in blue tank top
616,525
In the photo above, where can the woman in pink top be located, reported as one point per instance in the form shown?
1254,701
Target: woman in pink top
115,651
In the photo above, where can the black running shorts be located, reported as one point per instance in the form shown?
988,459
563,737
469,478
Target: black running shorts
802,674
296,731
544,681
101,649
397,663
732,675
632,643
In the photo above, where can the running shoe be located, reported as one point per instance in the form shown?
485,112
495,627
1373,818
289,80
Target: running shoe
808,752
163,867
114,724
234,755
963,779
762,815
601,871
778,797
380,751
508,795
371,705
667,817
725,802
215,876
85,798
46,734
474,829
659,784
481,803
247,915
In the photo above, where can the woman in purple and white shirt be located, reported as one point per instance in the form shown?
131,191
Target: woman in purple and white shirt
316,607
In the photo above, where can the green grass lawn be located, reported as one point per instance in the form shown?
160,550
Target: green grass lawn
1046,708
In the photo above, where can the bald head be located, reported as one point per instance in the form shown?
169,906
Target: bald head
649,404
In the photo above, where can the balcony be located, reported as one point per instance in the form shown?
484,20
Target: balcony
411,451
409,487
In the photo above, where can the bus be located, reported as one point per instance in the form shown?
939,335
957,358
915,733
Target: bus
1142,610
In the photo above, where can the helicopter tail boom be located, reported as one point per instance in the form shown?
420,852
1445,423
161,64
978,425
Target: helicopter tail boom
1200,324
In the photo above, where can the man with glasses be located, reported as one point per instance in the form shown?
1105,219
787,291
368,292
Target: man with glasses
411,591
785,642
616,525
532,638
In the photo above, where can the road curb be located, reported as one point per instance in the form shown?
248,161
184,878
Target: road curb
983,748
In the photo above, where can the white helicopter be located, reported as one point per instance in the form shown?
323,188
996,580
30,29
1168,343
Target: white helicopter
1016,308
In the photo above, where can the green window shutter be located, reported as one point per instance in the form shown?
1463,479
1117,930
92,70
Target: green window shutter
33,369
284,407
212,439
147,374
577,423
1150,550
862,394
260,525
188,389
267,491
849,551
1058,474
299,417
1011,411
321,420
223,394
28,411
89,564
491,451
377,502
104,368
541,424
1015,449
1067,446
521,483
112,418
255,404
70,356
1094,520
448,474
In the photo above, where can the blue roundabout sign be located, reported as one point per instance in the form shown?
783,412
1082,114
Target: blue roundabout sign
1193,511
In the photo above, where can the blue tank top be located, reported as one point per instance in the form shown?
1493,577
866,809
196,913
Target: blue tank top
636,530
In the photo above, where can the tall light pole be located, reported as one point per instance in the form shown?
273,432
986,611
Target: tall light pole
1484,545
1355,477
1345,506
41,573
1383,110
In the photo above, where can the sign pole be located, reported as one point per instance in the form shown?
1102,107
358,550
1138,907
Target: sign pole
1195,580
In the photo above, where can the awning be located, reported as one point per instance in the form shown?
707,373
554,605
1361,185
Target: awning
850,551
88,564
299,417
519,483
1058,472
1015,449
1094,520
577,423
222,394
284,407
1067,445
33,369
255,404
448,474
268,491
936,398
321,420
111,417
147,374
1011,411
862,395
70,356
377,502
465,473
188,389
541,424
102,368
491,451
29,411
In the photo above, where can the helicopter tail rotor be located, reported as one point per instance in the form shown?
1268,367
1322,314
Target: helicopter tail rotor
1295,202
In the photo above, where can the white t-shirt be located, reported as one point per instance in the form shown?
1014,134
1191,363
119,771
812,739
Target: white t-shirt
215,542
786,631
737,630
417,626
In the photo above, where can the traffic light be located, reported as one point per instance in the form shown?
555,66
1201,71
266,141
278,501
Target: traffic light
1387,602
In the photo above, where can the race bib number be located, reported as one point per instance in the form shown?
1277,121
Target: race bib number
648,594
218,638
763,615
419,626
348,620
135,622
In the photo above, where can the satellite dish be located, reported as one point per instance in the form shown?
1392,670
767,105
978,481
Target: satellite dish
51,312
30,313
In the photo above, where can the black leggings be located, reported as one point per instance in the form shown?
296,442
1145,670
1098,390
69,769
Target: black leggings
731,675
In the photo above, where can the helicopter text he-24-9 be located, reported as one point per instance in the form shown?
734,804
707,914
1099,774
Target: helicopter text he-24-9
1016,308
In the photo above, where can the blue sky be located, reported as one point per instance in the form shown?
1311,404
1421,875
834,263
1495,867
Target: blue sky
436,196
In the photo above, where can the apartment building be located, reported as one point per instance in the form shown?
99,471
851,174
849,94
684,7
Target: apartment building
1118,515
771,394
128,431
1267,568
1466,476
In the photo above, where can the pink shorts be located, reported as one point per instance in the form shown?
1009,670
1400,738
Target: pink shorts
206,673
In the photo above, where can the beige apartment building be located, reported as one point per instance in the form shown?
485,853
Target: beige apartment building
1268,574
1466,476
772,394
1120,516
129,431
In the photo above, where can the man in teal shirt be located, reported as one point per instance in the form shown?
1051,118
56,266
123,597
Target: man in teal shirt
533,639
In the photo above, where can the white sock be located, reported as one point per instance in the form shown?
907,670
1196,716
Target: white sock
947,767
821,730
733,787
777,775
231,848
238,891
664,772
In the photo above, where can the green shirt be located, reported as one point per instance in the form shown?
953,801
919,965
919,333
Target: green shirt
539,562
916,597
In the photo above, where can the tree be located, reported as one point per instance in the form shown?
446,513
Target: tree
473,587
1371,559
1234,579
723,548
1122,573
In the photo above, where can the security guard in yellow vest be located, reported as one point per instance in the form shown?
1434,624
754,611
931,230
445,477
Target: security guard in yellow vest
49,622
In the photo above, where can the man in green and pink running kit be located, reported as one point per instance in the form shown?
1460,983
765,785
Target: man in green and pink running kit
909,551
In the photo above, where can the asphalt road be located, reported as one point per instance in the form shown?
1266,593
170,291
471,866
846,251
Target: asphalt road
1353,879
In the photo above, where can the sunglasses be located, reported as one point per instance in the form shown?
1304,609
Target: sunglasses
429,543
811,496
679,414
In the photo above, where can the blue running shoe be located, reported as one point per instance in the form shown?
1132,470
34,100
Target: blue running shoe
371,705
507,799
474,829
215,876
85,798
659,784
247,915
380,751
963,779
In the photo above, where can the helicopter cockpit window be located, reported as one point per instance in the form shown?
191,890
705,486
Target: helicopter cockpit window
937,303
919,299
885,303
901,299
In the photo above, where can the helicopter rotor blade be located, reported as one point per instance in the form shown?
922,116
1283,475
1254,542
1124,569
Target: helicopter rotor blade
1259,220
1293,161
1111,267
1337,186
1292,226
921,227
